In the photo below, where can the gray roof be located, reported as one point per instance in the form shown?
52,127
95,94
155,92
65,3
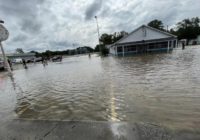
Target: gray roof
150,34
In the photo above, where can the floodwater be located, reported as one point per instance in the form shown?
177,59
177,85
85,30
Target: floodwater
161,89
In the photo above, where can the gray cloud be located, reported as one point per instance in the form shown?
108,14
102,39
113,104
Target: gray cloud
57,44
22,8
19,38
31,26
93,9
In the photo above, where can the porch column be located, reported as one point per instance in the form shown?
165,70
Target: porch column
115,50
172,42
168,46
176,43
123,50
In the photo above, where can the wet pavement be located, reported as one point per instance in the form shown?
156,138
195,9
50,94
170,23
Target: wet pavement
88,130
80,130
157,91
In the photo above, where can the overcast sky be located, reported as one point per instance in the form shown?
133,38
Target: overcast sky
58,24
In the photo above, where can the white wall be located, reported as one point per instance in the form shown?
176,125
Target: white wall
112,50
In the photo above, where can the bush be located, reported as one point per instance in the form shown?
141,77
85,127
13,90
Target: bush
104,50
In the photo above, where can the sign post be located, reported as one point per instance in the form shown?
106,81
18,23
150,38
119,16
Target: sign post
4,36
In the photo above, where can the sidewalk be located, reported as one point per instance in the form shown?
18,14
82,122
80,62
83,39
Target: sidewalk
69,130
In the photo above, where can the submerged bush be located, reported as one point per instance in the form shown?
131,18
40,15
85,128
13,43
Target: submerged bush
104,50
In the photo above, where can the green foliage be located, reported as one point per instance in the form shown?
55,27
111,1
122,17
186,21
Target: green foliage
36,53
158,24
188,28
102,49
118,35
185,29
96,49
19,50
79,50
108,39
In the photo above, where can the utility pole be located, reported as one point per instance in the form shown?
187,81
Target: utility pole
4,36
98,33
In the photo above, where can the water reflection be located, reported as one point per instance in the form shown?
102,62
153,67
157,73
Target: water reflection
156,88
21,103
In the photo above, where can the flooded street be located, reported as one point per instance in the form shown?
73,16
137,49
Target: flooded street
161,89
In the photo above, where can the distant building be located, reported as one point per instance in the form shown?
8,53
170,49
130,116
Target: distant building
25,56
143,40
182,41
192,42
195,41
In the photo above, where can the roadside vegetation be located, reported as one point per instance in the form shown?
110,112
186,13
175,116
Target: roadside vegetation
185,29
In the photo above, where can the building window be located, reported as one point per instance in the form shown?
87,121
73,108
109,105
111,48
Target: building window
119,49
131,48
158,45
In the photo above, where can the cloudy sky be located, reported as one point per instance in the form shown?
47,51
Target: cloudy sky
62,24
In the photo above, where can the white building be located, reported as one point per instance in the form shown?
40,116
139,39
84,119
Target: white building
142,40
25,56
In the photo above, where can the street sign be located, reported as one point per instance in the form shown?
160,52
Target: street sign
4,36
3,33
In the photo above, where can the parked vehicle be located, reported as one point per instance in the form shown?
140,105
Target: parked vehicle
2,66
31,60
17,61
39,59
57,59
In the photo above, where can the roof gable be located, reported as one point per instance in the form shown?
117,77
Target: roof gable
144,33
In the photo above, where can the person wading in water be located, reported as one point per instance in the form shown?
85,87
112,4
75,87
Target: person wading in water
24,64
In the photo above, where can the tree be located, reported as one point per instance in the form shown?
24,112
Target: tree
118,35
96,49
188,28
158,24
89,49
19,50
33,52
172,31
37,54
106,39
104,50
